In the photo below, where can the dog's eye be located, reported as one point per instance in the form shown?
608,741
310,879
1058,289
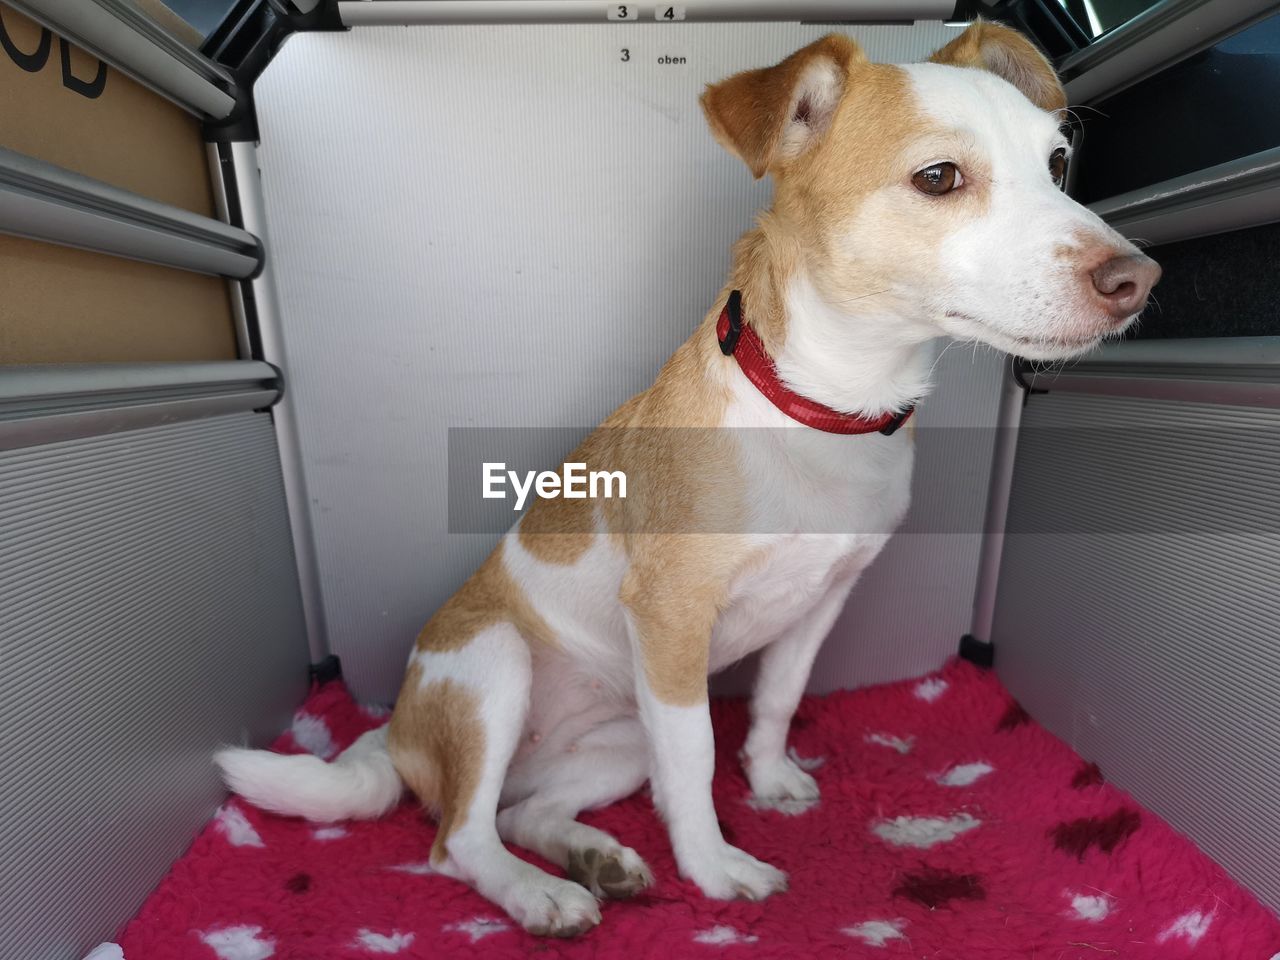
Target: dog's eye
938,179
1058,165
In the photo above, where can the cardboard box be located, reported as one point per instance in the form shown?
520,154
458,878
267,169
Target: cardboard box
59,304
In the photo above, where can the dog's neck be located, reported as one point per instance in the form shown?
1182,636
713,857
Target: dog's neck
855,358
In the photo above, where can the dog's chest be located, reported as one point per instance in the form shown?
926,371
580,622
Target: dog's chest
819,509
787,579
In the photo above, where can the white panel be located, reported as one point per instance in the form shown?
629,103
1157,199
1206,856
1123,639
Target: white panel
508,226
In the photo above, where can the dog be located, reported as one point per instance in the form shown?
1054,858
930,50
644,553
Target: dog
911,202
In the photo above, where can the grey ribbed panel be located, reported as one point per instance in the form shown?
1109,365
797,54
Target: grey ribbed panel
526,227
148,611
1155,654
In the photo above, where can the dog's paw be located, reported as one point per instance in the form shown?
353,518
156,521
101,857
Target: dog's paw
616,873
783,786
728,873
554,908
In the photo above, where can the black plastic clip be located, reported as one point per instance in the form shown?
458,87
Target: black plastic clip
890,428
978,652
733,311
328,669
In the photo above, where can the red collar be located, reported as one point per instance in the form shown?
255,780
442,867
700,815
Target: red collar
742,343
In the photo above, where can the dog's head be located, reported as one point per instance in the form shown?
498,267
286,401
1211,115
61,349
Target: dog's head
930,193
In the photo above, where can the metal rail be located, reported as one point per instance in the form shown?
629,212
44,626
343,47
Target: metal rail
47,404
47,202
122,35
1235,371
1230,196
360,13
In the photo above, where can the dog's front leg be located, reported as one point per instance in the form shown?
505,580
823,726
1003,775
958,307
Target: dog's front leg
670,650
777,780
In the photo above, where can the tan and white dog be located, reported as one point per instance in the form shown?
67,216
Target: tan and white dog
911,202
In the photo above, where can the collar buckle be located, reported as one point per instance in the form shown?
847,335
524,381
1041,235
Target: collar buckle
890,428
729,329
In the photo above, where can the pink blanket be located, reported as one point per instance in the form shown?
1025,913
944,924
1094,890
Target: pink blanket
951,827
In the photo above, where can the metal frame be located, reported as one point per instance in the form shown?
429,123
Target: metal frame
999,488
120,34
247,191
47,404
47,202
1230,196
363,13
222,202
1168,32
1237,371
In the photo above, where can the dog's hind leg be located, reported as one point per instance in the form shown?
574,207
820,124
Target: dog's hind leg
455,729
608,763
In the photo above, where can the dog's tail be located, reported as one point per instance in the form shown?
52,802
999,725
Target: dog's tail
360,785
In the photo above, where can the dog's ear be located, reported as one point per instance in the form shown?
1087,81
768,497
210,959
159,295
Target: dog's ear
1009,55
770,116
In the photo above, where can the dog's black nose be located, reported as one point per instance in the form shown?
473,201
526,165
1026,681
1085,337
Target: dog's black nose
1124,283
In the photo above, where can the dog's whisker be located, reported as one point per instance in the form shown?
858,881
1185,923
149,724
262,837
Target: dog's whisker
1084,106
942,353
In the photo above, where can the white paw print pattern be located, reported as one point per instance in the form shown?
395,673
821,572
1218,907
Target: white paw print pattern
324,834
1090,907
1190,927
903,745
235,826
931,689
312,735
477,928
723,936
964,775
239,943
876,933
375,942
923,832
